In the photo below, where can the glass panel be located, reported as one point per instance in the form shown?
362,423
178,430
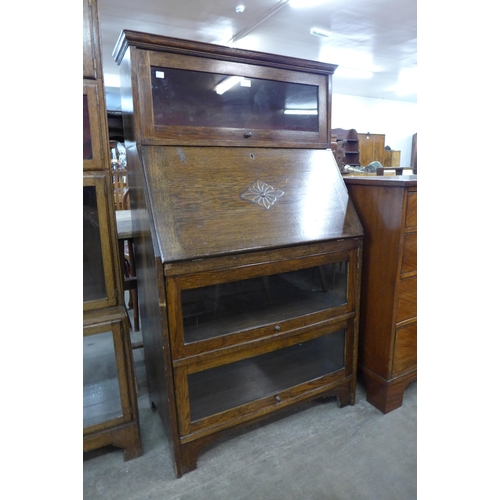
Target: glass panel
94,286
195,98
230,307
101,388
228,386
87,136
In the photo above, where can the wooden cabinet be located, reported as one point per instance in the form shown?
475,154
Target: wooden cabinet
110,413
371,148
248,259
392,158
387,208
348,147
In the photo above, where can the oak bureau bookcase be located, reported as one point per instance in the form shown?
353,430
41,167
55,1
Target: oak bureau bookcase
249,249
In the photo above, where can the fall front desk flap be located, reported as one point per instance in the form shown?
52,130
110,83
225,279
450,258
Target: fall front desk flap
209,201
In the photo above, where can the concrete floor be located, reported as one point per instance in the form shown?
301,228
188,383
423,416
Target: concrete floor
322,452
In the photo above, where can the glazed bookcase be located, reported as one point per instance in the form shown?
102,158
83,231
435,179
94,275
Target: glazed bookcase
249,249
110,412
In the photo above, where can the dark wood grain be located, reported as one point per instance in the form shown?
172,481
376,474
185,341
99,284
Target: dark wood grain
198,211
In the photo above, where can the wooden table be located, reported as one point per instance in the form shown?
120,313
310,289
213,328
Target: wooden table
124,224
125,234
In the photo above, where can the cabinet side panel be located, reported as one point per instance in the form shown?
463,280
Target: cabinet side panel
379,210
152,303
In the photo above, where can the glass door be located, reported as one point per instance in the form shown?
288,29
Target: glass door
99,288
200,101
216,310
105,390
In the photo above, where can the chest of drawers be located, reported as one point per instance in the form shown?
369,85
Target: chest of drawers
387,208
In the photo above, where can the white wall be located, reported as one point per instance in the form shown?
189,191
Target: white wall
396,119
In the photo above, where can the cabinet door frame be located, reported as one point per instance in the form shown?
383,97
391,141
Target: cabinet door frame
100,180
211,136
94,130
371,148
309,389
123,366
90,36
175,285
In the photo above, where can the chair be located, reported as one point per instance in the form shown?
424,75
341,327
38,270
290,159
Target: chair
130,276
120,186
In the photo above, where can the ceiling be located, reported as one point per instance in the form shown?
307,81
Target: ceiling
377,36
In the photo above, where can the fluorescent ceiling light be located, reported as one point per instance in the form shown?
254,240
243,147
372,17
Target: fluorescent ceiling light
320,32
301,111
227,83
353,73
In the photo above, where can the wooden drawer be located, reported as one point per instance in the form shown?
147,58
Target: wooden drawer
407,299
411,210
405,348
409,263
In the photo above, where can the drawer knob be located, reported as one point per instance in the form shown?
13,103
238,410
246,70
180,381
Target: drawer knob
247,135
278,399
277,328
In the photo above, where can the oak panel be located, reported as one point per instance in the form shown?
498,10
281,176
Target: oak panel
405,349
409,263
411,209
407,299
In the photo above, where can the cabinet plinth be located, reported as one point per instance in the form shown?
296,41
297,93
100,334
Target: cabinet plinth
387,208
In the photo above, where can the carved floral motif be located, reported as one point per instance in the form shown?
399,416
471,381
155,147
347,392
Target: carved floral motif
262,194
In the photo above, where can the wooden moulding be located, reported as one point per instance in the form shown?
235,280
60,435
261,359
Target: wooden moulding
161,43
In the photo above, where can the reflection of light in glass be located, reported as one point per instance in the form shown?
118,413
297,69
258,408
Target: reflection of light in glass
111,80
227,83
300,111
